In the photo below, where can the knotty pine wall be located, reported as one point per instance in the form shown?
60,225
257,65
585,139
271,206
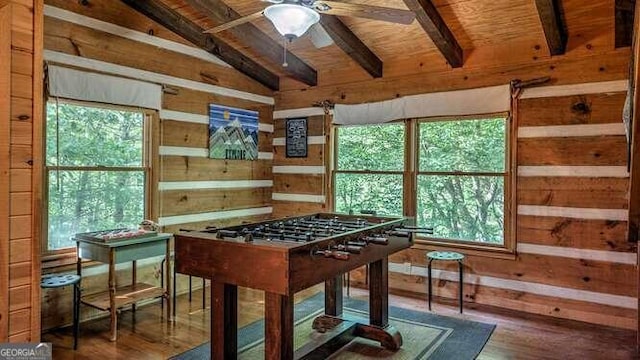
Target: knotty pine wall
299,184
190,190
573,260
20,157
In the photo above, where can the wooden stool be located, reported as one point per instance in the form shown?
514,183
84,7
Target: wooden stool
446,256
52,281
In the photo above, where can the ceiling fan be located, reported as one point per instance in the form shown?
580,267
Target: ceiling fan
293,18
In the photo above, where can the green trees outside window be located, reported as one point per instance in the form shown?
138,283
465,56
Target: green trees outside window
370,162
95,170
461,179
460,174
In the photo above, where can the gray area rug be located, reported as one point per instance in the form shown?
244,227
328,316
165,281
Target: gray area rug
425,335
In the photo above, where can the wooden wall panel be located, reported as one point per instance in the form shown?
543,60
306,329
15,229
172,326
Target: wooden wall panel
607,235
23,187
590,275
19,250
296,208
21,109
20,203
603,150
315,157
571,110
515,300
299,184
184,168
602,193
20,297
5,139
179,202
20,275
197,102
73,39
315,127
180,133
21,132
20,321
19,179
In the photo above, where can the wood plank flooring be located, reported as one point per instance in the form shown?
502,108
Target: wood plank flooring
145,335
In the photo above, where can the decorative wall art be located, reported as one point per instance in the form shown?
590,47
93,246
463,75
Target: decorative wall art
296,140
233,133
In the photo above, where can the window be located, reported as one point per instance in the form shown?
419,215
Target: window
96,170
369,169
461,179
456,178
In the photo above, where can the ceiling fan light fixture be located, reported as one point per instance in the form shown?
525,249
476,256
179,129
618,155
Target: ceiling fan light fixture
291,20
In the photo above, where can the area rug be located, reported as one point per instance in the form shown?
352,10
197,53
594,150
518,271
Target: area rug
425,335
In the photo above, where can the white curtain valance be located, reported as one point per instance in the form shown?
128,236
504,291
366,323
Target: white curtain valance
81,85
449,103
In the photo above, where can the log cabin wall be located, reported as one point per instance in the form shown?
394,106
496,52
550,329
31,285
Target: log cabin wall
299,184
190,190
20,157
573,260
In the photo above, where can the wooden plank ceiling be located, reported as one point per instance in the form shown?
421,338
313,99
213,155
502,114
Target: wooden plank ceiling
446,34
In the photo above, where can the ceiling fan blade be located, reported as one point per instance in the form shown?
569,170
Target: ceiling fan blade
398,16
236,22
319,36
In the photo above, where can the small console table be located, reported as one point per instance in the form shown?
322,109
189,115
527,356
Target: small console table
120,251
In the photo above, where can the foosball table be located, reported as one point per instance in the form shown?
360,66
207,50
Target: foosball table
282,257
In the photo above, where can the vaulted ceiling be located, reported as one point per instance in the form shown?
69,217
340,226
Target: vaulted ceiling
446,34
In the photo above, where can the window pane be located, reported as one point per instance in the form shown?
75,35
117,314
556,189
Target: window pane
81,201
93,136
462,207
371,147
379,192
463,145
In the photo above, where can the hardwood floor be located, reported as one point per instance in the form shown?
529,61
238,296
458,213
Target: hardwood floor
517,336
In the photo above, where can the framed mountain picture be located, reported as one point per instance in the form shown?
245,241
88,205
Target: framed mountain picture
233,133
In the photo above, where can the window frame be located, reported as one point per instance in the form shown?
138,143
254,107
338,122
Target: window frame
67,256
334,171
410,183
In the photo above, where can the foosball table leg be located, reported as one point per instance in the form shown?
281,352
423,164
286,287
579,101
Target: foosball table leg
279,324
224,321
333,296
379,293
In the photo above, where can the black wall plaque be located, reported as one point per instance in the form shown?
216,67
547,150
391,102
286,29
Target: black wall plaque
296,140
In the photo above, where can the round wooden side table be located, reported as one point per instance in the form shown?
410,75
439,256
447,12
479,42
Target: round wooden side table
51,281
446,256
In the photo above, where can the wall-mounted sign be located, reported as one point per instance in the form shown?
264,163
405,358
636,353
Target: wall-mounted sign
296,137
233,133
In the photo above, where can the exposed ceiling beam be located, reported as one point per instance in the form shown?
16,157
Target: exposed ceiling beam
625,10
250,35
352,45
193,33
433,24
553,25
